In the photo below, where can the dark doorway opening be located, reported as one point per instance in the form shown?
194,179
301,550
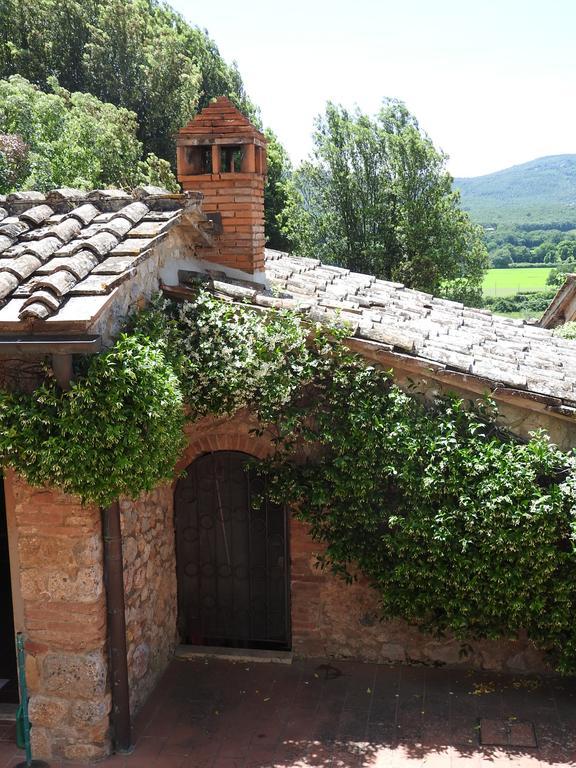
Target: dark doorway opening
8,675
232,556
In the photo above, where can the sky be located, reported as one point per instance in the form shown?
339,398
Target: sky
492,82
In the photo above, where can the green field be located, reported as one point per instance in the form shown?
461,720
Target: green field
505,282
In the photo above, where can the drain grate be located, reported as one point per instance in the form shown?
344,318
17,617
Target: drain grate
507,733
7,731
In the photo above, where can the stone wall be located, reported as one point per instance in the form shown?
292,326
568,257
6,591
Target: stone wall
177,250
150,588
61,609
332,618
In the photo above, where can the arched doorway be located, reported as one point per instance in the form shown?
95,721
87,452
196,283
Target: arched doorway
232,556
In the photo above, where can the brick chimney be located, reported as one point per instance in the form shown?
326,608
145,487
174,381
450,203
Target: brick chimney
221,154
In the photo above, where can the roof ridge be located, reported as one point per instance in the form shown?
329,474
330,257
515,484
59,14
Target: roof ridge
64,199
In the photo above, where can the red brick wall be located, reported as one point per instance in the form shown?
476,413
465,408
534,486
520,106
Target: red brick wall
239,199
333,619
221,154
61,604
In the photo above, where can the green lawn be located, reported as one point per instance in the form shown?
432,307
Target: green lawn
505,282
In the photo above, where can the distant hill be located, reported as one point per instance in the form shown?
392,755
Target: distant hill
542,190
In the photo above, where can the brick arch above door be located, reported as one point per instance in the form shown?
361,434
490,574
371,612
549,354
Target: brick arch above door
233,434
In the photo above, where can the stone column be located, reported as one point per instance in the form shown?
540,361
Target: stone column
63,616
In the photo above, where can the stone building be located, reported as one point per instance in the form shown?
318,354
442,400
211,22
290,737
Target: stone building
73,265
562,308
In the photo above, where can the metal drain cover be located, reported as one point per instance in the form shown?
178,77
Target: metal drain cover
507,733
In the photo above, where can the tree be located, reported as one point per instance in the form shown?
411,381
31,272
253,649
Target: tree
545,253
43,38
13,160
138,54
57,139
275,193
502,258
376,197
136,57
566,250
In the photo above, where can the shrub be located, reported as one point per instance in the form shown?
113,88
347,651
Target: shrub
566,331
117,432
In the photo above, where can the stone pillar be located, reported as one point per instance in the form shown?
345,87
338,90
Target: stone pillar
63,616
150,588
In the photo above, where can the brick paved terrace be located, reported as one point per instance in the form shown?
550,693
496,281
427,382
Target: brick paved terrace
332,714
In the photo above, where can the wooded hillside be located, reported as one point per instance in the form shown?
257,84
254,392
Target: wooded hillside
542,190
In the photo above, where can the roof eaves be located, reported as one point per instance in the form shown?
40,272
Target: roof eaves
387,355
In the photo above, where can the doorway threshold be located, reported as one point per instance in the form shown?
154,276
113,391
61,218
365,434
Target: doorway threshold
233,654
8,712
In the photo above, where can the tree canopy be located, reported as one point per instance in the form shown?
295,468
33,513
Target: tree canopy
56,139
118,78
376,197
275,192
137,54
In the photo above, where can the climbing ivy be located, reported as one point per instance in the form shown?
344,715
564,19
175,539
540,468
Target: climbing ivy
459,526
227,357
117,432
566,331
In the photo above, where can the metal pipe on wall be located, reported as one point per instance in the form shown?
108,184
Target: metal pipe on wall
114,583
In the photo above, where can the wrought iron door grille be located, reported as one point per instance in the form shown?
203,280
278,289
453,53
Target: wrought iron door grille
232,555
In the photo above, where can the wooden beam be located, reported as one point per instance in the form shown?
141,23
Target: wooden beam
56,345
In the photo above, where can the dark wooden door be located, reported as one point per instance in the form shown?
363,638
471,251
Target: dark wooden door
232,556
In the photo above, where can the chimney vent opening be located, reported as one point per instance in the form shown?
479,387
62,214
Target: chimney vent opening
231,159
198,160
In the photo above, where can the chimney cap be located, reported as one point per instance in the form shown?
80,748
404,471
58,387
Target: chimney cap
221,119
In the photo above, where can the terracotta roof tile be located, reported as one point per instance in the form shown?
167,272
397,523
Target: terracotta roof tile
512,354
51,244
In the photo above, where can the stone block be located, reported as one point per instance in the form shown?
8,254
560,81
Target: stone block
528,660
41,742
129,549
140,658
32,673
69,626
446,652
90,713
47,712
33,584
139,578
85,752
85,585
392,652
73,675
65,552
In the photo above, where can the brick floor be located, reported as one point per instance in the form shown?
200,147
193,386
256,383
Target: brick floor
318,714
